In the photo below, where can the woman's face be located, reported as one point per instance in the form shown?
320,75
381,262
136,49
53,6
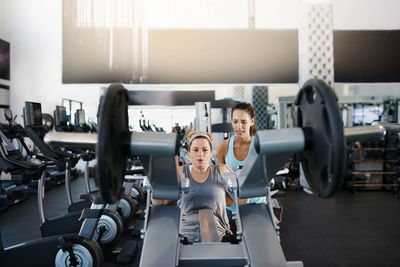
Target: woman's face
200,153
241,122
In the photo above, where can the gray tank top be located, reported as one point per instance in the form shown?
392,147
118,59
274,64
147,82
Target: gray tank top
207,195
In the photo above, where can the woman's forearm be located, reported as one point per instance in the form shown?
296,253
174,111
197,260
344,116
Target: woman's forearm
243,201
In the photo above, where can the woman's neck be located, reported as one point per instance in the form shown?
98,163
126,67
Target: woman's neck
200,170
200,175
243,139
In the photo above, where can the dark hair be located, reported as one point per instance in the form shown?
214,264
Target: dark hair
250,110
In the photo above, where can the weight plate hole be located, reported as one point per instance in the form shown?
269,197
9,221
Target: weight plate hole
311,96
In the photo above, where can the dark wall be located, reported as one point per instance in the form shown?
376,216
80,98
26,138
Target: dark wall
367,56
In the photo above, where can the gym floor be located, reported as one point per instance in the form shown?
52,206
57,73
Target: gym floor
350,229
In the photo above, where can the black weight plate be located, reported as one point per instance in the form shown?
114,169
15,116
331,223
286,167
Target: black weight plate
111,157
137,192
133,204
323,158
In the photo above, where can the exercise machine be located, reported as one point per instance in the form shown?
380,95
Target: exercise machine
65,250
80,122
319,140
62,122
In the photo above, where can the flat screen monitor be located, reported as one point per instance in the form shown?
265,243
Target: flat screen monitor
33,114
61,116
366,56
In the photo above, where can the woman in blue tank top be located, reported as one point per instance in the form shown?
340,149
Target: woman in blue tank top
234,151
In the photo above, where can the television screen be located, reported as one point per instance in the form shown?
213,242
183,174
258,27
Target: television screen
61,114
362,56
4,60
33,114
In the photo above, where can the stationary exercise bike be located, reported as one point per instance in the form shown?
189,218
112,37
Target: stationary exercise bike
110,225
77,249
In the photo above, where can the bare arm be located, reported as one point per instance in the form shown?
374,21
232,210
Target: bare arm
229,201
241,201
222,150
224,168
179,169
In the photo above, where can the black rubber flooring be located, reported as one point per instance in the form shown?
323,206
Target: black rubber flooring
20,223
361,229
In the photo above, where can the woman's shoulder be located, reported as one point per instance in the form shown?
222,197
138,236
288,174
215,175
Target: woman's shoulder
223,147
222,151
224,144
224,168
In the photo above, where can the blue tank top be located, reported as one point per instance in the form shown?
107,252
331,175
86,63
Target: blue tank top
230,158
234,164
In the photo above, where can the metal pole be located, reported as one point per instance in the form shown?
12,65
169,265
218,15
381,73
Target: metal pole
68,181
40,194
364,133
87,184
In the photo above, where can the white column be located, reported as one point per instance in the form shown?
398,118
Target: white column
316,43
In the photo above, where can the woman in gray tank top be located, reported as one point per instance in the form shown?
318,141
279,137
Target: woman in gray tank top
206,189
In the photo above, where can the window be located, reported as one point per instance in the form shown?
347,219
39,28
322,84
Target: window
204,14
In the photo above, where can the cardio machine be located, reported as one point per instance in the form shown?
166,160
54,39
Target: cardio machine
61,250
80,122
110,226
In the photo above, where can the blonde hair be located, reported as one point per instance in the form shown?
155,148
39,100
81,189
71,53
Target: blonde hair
198,134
